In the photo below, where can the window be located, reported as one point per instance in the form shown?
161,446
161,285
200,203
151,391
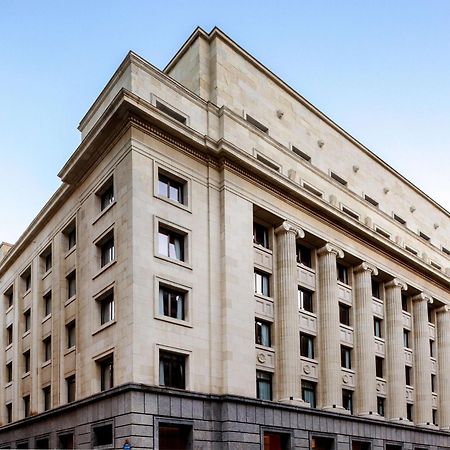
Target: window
71,334
71,388
322,443
26,406
304,255
47,303
342,273
338,178
409,411
379,366
174,436
380,406
260,235
106,194
9,334
408,375
262,283
350,213
262,333
171,244
399,219
375,288
263,385
302,155
172,303
9,372
256,123
446,251
305,300
347,400
307,345
43,443
172,370
411,250
346,357
26,361
406,342
47,348
267,162
432,349
377,327
393,447
344,314
23,444
309,392
171,112
356,445
9,295
434,412
27,320
103,434
66,441
107,308
430,314
171,189
405,302
46,257
71,284
382,232
107,250
70,234
424,236
47,394
371,200
106,373
26,279
312,190
433,383
276,441
9,413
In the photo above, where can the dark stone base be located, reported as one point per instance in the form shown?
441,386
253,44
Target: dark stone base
218,422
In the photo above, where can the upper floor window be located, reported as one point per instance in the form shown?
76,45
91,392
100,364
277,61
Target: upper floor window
380,406
346,357
406,340
9,296
172,368
47,348
260,235
71,388
9,372
342,273
171,188
432,349
47,298
171,243
107,308
408,375
377,324
27,319
172,303
70,234
9,334
26,361
107,250
262,285
375,288
304,255
26,279
405,302
263,385
106,373
347,400
71,334
71,284
379,363
26,406
309,392
47,393
46,258
106,194
344,314
305,300
307,345
263,333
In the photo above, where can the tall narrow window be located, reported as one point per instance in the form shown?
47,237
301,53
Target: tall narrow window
263,385
433,383
406,339
377,327
309,392
71,388
171,303
26,406
71,284
263,333
46,258
375,288
9,413
260,235
304,255
107,251
170,188
47,348
26,361
71,334
171,243
47,303
307,345
347,400
107,309
47,394
27,320
346,358
172,370
408,375
9,334
380,406
70,234
409,411
342,273
305,300
262,285
432,349
26,280
379,366
9,295
106,194
9,372
344,314
107,373
404,302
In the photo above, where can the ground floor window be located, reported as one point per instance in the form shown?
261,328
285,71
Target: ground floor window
322,443
174,436
275,441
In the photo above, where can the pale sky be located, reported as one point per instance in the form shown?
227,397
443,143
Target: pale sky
380,69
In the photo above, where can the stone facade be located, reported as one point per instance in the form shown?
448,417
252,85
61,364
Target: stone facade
217,233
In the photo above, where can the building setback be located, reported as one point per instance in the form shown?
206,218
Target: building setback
224,267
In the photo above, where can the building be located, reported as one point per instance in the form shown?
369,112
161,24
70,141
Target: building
225,267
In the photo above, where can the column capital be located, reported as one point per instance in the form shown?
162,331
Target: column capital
331,248
443,309
288,227
396,283
364,267
422,297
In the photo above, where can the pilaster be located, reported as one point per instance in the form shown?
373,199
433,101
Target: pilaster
443,347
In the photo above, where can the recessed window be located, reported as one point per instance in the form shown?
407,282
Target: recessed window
430,313
107,249
435,415
408,375
267,162
436,265
371,200
66,441
47,298
303,255
172,303
411,250
9,372
47,342
26,280
339,179
260,235
263,385
445,250
346,357
305,300
107,307
377,327
379,362
103,434
312,190
43,443
26,361
263,333
383,232
27,320
432,349
350,213
171,188
405,306
8,412
262,285
174,436
393,447
433,383
171,244
322,443
275,441
342,273
171,112
357,445
409,411
9,297
307,345
380,406
399,219
172,370
9,334
302,155
309,392
106,373
47,394
347,400
70,234
376,288
344,314
71,281
26,407
71,334
106,194
71,388
424,236
256,123
46,258
406,338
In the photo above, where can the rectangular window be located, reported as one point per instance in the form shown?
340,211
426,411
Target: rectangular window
172,303
260,235
9,296
406,342
26,361
424,236
267,162
47,394
174,436
350,213
263,385
70,234
411,250
371,200
47,259
107,373
432,349
312,190
66,441
338,178
302,155
172,372
276,441
322,443
47,300
445,250
103,434
307,345
107,310
26,279
346,357
171,189
171,112
107,250
409,411
379,366
171,244
9,413
375,288
9,372
262,285
377,327
357,445
27,320
304,255
434,412
71,280
430,314
342,273
344,314
71,388
380,406
399,219
256,123
26,406
347,400
106,194
9,334
309,392
43,443
405,303
263,333
305,300
408,375
383,232
71,334
47,348
433,383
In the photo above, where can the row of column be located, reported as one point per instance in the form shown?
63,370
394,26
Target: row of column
330,385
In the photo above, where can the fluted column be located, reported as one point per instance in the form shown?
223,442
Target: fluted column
364,345
288,354
443,347
423,414
330,385
395,354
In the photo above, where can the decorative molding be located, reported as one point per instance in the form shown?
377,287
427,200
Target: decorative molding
422,297
396,283
331,248
288,227
365,266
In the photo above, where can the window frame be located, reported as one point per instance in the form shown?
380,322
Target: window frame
70,236
259,226
98,425
177,176
174,422
298,255
103,363
48,348
301,291
344,308
71,277
182,357
100,298
310,387
105,195
71,381
346,278
47,297
179,230
346,357
264,324
310,348
264,275
71,339
259,377
378,327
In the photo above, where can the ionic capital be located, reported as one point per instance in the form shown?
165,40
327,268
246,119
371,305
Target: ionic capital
331,248
288,227
366,267
443,309
396,283
422,297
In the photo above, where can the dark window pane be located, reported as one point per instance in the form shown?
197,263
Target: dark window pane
304,255
342,273
103,434
305,300
263,385
344,314
276,441
309,393
171,303
174,436
262,333
172,370
307,345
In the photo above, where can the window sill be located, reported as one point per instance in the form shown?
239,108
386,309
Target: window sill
105,325
27,333
70,350
308,313
174,203
47,317
8,384
266,349
104,268
25,375
47,273
263,296
10,308
8,346
103,212
26,293
174,261
183,323
344,285
262,248
70,251
307,268
70,300
309,360
346,327
381,379
46,363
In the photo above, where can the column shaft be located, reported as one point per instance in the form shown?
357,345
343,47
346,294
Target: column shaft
443,346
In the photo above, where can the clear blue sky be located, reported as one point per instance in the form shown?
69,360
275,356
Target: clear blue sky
380,69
